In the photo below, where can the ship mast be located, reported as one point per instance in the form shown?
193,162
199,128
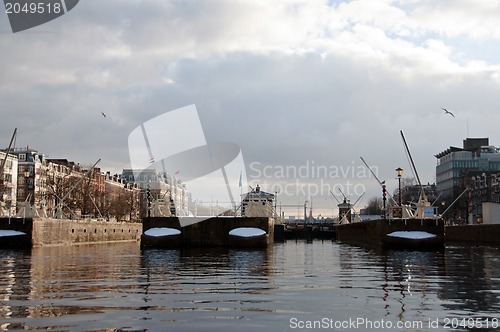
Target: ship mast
422,191
381,183
423,204
7,154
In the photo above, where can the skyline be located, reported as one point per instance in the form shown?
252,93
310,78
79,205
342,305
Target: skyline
290,82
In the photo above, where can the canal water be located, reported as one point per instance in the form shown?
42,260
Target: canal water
291,286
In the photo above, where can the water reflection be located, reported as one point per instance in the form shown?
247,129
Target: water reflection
206,284
412,280
474,280
63,281
13,282
120,286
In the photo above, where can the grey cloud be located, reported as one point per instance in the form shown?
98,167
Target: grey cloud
138,60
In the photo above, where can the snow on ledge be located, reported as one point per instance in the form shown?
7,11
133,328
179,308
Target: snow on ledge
162,231
415,235
247,232
8,232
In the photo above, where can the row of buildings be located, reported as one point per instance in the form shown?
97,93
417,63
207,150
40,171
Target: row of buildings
467,182
32,184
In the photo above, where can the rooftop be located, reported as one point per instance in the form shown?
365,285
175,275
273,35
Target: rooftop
472,145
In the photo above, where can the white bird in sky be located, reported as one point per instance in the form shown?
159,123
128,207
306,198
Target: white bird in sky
448,112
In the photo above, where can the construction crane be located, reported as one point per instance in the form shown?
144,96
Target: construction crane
2,166
381,183
423,203
6,155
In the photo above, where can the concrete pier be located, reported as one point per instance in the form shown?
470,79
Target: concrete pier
40,232
474,234
373,232
214,231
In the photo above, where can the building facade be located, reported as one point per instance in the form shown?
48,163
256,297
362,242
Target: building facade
455,165
31,176
61,176
8,184
475,167
59,188
121,201
167,195
412,193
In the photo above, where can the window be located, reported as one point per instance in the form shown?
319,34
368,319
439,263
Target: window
22,157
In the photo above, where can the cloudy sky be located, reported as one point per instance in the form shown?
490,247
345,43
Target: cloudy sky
294,83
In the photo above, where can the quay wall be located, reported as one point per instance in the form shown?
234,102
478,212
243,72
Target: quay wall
476,234
209,232
56,232
373,231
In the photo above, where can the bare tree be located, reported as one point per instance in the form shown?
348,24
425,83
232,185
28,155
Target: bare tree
58,187
119,206
374,206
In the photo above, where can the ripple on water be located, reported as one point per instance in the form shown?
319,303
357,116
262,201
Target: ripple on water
121,286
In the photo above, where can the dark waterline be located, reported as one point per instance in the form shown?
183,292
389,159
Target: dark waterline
283,288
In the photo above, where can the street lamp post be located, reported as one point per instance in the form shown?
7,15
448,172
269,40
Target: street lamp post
399,172
26,175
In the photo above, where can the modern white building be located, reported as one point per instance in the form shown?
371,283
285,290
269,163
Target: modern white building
475,169
456,164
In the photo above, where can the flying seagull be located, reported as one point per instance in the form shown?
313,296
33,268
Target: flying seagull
104,115
448,112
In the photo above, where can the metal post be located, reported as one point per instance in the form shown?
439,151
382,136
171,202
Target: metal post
275,204
148,197
384,198
305,212
384,208
399,180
